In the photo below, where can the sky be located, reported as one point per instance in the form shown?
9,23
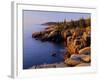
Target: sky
32,17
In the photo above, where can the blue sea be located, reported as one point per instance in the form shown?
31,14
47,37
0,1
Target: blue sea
36,52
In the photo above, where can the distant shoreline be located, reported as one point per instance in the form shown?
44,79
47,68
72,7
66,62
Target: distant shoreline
49,23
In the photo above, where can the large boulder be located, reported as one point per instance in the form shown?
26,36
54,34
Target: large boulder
82,57
86,51
73,60
76,59
86,58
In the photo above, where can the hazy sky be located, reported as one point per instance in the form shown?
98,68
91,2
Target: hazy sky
39,17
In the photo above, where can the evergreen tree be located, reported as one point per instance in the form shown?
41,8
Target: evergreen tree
82,23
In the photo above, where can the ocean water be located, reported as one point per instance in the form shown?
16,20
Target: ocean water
36,52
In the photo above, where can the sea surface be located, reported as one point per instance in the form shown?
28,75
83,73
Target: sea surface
36,52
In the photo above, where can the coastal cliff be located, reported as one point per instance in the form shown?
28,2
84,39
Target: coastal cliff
76,37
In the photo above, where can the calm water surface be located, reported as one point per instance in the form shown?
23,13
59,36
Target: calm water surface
36,52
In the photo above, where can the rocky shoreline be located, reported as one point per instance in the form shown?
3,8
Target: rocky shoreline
76,40
48,35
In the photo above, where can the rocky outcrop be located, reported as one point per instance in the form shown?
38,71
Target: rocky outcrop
36,34
53,36
77,59
77,43
78,51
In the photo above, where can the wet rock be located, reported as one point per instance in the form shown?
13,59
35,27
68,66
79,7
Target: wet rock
54,54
